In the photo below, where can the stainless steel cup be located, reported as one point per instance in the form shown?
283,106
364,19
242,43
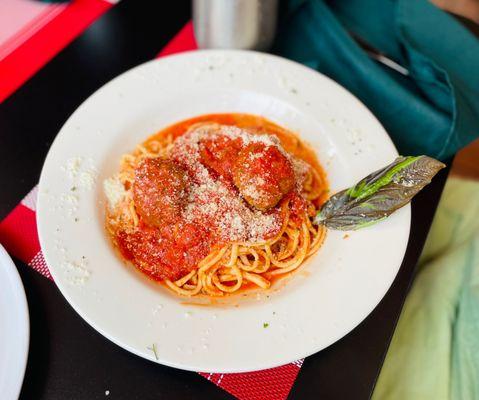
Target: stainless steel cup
235,24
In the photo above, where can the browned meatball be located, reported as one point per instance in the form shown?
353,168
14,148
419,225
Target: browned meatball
159,190
263,175
218,154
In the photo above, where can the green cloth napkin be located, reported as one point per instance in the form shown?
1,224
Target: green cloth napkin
434,353
434,110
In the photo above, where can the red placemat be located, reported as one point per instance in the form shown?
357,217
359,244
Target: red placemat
42,38
18,233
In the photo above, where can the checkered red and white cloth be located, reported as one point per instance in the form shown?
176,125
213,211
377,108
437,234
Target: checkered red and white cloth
18,231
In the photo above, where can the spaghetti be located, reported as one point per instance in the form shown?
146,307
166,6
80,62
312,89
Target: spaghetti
217,204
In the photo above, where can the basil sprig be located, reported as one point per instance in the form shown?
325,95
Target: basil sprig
379,194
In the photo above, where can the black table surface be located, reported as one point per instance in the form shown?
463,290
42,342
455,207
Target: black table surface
70,360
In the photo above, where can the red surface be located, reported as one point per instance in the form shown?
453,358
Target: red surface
18,233
30,56
184,40
269,384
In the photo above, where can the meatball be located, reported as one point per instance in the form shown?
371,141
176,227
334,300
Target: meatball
263,175
218,153
159,190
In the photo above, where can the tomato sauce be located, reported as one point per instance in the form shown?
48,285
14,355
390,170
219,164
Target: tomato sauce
171,250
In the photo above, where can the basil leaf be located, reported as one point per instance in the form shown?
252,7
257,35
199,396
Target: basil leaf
379,194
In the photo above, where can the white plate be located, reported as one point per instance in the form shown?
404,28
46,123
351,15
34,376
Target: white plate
14,329
342,283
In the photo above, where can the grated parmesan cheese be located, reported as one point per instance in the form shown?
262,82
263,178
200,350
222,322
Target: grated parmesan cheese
81,172
114,190
72,166
87,179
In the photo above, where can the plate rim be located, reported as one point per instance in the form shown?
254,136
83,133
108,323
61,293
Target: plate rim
21,305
